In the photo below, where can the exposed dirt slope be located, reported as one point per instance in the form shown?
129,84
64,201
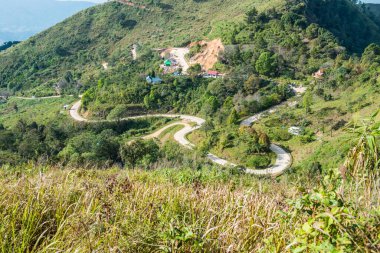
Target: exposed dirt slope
209,53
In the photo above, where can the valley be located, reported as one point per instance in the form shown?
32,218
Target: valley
194,126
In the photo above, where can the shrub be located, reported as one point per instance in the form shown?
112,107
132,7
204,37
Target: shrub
139,152
258,161
279,134
122,111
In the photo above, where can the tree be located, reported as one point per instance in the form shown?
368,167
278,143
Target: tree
15,107
264,140
208,126
266,64
149,100
139,151
251,16
233,118
307,101
252,85
106,146
195,70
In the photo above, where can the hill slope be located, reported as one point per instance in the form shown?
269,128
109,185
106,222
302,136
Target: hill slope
77,47
83,41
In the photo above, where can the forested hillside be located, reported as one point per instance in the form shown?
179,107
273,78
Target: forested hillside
374,8
268,50
106,33
76,48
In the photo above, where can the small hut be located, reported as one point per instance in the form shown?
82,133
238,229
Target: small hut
168,63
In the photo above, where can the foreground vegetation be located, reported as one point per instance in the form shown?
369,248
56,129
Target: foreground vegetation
182,210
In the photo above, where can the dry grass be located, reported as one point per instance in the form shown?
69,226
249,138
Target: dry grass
121,211
52,210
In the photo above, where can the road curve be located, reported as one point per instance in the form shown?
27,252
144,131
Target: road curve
283,161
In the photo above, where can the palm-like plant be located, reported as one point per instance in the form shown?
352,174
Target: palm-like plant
361,170
364,158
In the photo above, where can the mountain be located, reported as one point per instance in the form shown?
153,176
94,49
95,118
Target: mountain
106,33
20,19
374,8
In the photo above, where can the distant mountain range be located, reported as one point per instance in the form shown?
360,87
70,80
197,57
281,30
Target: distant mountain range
19,19
375,8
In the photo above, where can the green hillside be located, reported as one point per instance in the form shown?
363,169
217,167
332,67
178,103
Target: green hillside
267,51
76,48
106,33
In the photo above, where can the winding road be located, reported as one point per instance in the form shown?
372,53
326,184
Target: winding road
283,161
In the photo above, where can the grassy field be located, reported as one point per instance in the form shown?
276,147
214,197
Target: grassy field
38,110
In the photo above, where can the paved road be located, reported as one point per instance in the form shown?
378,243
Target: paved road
34,98
159,132
283,161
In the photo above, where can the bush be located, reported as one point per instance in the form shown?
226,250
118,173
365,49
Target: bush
258,161
279,134
140,152
122,111
308,136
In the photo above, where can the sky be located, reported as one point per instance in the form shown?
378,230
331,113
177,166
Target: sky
20,19
92,1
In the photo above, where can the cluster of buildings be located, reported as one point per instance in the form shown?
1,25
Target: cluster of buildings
171,66
212,74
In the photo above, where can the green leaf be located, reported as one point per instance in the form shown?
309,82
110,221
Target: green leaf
307,228
299,249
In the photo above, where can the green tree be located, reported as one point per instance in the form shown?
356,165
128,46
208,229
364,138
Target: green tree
252,85
139,151
264,140
208,126
266,64
307,101
233,118
195,70
251,15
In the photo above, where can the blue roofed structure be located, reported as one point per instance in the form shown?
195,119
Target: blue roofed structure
153,80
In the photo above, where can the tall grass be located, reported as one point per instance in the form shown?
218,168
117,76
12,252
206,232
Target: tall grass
138,211
182,210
